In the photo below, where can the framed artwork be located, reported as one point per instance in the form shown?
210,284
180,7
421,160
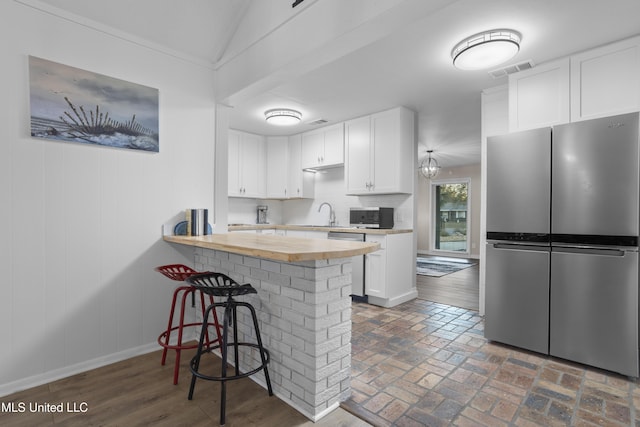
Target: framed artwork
74,105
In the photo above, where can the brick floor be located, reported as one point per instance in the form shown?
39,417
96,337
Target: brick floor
427,364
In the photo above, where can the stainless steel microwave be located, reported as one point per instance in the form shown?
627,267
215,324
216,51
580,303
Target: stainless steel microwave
371,217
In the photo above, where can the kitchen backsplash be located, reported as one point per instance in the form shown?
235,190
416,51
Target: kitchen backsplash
329,187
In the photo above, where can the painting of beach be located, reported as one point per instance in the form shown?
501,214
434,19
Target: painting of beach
74,105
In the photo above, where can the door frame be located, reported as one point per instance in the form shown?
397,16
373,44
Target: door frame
432,215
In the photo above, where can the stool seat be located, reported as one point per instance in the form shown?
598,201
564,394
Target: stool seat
180,272
220,285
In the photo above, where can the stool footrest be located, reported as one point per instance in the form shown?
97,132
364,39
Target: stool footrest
227,378
163,337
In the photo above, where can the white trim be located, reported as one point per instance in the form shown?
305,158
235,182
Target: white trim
67,371
123,35
432,217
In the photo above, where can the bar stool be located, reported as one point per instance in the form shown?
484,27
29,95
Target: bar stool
179,273
220,285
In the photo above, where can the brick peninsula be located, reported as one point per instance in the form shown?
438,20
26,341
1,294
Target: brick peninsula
303,304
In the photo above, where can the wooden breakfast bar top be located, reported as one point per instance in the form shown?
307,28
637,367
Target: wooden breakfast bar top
279,248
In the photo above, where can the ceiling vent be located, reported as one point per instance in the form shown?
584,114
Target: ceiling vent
510,69
318,122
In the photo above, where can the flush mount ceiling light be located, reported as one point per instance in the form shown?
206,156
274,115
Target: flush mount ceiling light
486,49
282,116
429,167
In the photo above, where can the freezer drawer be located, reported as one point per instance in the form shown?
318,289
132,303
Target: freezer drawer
594,308
517,296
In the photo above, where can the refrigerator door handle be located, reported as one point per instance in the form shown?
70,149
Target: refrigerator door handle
589,251
514,246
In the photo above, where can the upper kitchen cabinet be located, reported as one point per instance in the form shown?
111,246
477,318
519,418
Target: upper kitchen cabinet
301,183
285,177
539,96
379,153
606,81
246,165
323,148
277,167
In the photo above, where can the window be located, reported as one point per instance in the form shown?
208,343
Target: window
450,207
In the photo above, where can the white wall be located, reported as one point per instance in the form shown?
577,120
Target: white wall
82,223
424,196
329,187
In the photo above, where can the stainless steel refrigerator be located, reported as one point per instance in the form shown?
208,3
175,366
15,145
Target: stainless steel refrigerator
594,233
562,241
518,239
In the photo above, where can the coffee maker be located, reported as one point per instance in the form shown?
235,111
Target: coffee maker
262,214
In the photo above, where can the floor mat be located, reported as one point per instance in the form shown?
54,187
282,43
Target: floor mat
440,266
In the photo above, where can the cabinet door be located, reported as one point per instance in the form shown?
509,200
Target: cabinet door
376,274
252,165
333,145
278,167
539,97
312,149
386,140
301,183
234,185
606,81
358,155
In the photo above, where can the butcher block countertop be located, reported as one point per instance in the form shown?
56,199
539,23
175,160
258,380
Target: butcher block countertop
382,231
280,248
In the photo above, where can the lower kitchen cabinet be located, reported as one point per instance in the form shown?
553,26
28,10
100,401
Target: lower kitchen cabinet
390,272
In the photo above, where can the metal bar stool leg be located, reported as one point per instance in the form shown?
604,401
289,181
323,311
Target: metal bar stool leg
176,368
260,346
225,336
168,333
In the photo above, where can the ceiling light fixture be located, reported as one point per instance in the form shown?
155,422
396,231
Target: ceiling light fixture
429,167
282,116
486,49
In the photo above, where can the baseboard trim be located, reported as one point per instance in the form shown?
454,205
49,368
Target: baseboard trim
67,371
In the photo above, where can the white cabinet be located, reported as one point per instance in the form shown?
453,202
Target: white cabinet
277,167
390,271
308,234
301,182
285,177
246,165
323,148
539,96
376,269
606,81
380,153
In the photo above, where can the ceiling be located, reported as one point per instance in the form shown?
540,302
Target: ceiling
410,67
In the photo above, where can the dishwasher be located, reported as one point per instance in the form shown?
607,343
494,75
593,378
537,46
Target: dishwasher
357,264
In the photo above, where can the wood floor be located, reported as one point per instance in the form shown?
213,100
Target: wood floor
460,289
140,392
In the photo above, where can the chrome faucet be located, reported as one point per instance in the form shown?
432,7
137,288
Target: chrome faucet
332,215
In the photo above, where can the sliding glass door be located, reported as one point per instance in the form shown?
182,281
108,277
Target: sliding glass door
450,211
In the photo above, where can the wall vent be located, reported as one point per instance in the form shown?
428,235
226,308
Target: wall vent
317,122
510,69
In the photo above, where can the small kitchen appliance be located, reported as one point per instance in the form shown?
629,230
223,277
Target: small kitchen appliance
372,217
262,214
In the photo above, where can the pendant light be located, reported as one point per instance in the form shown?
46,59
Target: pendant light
486,49
282,116
429,167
